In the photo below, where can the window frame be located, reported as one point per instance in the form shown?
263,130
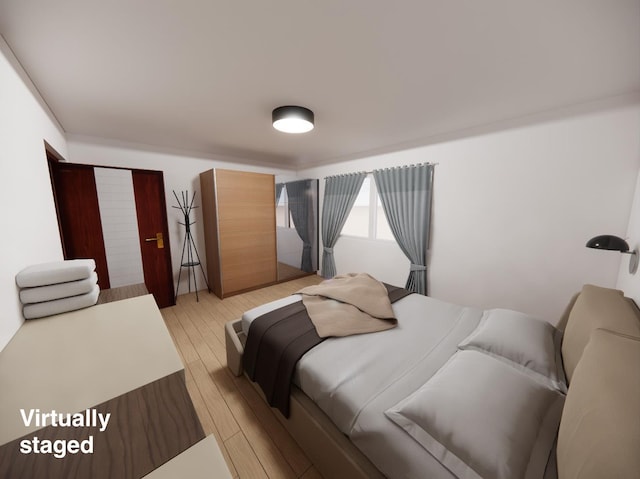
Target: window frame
373,215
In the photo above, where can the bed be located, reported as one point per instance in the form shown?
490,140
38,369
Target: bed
471,393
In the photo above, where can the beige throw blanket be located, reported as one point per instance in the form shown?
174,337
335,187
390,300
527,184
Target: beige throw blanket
348,304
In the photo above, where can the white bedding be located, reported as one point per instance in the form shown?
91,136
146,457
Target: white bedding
356,378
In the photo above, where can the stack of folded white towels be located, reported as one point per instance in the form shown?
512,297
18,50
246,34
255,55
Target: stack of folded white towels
58,287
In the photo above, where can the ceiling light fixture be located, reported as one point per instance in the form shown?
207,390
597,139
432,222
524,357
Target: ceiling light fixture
292,119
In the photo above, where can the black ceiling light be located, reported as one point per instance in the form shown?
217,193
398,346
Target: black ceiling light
615,243
292,119
608,242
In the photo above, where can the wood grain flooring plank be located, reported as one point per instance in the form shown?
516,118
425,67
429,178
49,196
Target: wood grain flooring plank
252,440
217,407
188,353
272,460
285,443
244,459
208,343
207,423
311,473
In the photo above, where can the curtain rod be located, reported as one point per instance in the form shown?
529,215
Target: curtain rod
389,168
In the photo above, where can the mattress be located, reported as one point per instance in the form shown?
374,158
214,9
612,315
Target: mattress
355,379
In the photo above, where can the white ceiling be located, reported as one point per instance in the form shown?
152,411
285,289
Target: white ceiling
203,76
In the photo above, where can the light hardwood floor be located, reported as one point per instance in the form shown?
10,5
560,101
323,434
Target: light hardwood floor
252,440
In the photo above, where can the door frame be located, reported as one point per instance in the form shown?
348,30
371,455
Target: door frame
53,157
79,221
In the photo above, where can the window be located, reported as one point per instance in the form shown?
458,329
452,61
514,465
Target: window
383,230
284,219
357,223
367,218
282,208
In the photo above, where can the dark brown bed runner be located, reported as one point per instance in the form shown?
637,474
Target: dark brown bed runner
277,340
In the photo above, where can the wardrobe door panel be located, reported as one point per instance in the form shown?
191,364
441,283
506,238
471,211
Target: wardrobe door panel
239,229
249,243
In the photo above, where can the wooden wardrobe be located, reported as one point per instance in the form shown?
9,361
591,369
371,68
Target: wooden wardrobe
240,230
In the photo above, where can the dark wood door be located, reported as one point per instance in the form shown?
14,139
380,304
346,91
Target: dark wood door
76,199
148,187
81,229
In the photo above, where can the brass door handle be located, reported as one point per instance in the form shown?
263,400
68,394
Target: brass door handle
158,238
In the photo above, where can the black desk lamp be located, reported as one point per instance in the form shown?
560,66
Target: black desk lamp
614,243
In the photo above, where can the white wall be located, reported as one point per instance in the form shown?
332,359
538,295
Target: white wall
119,219
180,173
513,210
627,282
29,226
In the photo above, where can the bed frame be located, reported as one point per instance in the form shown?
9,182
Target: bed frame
331,451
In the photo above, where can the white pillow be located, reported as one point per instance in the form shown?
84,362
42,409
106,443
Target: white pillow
57,306
55,272
525,342
482,418
39,294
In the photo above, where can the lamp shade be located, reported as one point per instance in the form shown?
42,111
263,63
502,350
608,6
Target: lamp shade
292,119
609,242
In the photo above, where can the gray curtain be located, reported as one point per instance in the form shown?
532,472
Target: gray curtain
340,193
405,194
301,207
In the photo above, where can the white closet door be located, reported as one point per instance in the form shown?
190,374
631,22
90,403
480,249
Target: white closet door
119,226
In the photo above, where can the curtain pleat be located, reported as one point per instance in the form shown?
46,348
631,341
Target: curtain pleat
340,193
405,194
301,207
